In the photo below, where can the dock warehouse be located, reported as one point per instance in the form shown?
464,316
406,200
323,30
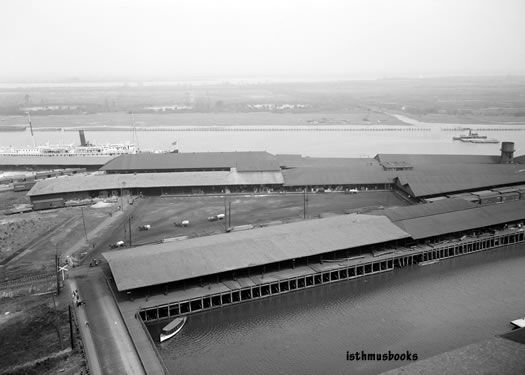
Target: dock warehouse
431,220
84,186
217,172
179,278
246,161
252,250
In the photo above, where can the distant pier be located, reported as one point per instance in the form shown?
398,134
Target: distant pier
235,128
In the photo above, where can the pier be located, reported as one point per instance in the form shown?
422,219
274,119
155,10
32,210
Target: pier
197,298
241,128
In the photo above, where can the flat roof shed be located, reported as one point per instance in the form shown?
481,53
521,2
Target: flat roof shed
78,183
174,261
242,161
425,209
463,220
357,175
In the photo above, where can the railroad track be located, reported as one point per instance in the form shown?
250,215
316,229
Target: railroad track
28,279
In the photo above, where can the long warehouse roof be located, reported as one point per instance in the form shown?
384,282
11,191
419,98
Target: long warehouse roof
163,263
425,209
422,186
303,176
243,161
419,159
295,160
70,184
462,220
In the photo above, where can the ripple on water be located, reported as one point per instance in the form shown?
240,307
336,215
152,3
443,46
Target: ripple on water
425,309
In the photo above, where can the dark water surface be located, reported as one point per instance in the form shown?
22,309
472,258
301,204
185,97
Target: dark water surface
426,310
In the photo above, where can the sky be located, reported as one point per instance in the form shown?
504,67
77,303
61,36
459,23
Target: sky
48,40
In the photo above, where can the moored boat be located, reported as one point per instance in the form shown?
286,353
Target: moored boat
172,328
518,323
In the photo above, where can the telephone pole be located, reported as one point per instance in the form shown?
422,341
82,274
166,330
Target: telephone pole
71,328
225,215
129,226
305,202
229,214
57,265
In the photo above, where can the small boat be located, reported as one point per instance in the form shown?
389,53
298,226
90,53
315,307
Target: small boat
471,135
172,328
518,323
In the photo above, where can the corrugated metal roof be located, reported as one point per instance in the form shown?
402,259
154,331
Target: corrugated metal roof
519,159
243,161
425,209
462,169
421,186
303,176
157,264
294,161
54,160
67,184
457,221
419,159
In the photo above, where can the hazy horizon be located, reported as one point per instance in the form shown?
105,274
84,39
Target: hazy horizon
201,40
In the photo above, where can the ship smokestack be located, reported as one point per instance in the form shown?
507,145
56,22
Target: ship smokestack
507,153
82,138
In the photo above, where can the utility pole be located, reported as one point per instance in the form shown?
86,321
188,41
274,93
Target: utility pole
122,196
129,227
71,328
305,202
229,214
56,322
225,215
84,222
57,264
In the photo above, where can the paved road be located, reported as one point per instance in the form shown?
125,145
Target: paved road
114,348
85,332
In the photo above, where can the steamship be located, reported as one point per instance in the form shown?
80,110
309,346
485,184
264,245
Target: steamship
84,149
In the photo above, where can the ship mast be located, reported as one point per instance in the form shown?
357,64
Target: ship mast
135,139
31,129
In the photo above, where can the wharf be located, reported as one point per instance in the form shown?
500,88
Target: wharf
138,309
194,298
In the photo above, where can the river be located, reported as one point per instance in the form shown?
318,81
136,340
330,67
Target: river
426,310
319,140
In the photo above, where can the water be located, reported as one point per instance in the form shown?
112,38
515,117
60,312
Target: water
427,310
345,141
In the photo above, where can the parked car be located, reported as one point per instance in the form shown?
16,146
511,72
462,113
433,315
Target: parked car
145,227
117,244
181,223
216,217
